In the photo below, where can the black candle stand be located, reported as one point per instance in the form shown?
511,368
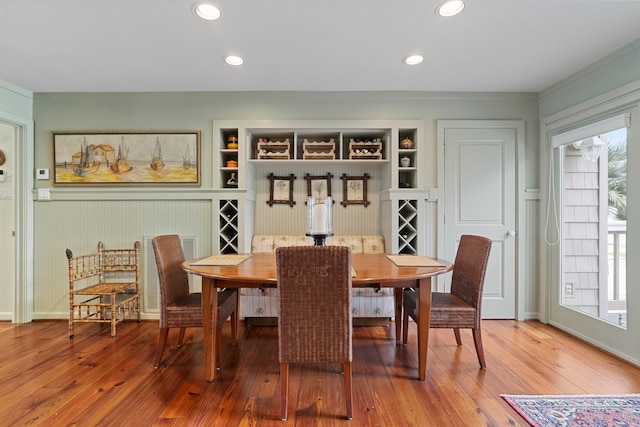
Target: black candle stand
319,239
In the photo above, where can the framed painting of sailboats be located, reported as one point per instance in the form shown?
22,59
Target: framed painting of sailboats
126,158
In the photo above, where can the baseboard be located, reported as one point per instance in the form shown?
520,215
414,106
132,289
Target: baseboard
261,321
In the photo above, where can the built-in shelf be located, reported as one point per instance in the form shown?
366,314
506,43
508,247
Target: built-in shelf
407,149
373,147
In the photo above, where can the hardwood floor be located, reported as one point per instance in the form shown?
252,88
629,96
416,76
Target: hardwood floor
91,380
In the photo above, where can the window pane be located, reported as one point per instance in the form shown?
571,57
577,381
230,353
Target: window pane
594,229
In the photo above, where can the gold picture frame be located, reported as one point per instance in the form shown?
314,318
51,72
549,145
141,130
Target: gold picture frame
354,190
114,158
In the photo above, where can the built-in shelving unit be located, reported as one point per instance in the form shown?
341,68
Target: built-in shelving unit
408,172
389,150
229,159
314,144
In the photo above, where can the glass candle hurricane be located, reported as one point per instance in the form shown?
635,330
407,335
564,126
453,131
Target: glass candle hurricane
319,216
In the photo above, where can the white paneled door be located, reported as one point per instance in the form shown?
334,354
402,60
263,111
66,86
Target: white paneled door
480,198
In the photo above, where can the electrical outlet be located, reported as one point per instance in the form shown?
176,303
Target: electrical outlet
568,289
44,194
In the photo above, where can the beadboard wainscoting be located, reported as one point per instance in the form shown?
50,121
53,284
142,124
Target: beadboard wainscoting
80,224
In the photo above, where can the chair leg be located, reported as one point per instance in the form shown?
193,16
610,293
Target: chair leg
284,390
162,340
114,316
218,345
405,327
71,314
477,340
346,367
456,332
181,336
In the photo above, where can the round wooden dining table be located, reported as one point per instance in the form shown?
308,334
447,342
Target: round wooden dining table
369,270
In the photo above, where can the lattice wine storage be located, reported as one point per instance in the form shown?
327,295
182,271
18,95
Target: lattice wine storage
407,227
228,217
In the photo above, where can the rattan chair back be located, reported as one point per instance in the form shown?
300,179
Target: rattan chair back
314,310
174,283
180,308
462,307
470,268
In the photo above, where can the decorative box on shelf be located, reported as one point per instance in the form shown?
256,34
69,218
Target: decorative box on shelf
274,149
365,149
319,149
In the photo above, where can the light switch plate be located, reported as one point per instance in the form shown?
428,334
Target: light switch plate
42,173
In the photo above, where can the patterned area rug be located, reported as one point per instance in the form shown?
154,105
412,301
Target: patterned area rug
578,410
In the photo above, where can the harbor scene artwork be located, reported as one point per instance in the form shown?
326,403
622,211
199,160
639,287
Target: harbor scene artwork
127,158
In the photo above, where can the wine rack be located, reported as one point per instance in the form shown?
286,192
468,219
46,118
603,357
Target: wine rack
407,227
228,227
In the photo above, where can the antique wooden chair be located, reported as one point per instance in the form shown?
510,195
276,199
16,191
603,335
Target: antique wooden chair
461,308
104,287
180,308
314,312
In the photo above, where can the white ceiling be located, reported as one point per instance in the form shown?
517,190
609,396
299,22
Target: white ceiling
293,45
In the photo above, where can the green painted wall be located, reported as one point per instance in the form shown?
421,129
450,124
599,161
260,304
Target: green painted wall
612,72
162,111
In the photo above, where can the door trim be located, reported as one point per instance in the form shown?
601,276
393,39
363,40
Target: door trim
607,336
518,126
24,206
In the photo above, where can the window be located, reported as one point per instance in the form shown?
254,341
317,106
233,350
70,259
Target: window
593,185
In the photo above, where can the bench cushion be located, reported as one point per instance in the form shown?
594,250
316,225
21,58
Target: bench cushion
373,244
269,242
367,302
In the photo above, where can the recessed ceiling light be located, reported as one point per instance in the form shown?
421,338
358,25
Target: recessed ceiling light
233,60
206,11
450,8
413,59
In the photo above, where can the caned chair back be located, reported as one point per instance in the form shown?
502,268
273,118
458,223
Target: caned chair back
180,308
314,312
173,280
460,308
470,267
314,304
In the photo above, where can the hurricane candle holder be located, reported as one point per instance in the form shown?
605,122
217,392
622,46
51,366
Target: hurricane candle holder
319,219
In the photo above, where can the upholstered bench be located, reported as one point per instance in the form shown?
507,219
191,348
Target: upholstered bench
258,306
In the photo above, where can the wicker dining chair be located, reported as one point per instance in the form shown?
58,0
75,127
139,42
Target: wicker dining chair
314,312
180,308
460,308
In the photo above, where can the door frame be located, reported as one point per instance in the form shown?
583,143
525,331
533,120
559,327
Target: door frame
521,256
607,336
24,206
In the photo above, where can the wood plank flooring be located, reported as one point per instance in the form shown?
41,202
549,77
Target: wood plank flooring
93,380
